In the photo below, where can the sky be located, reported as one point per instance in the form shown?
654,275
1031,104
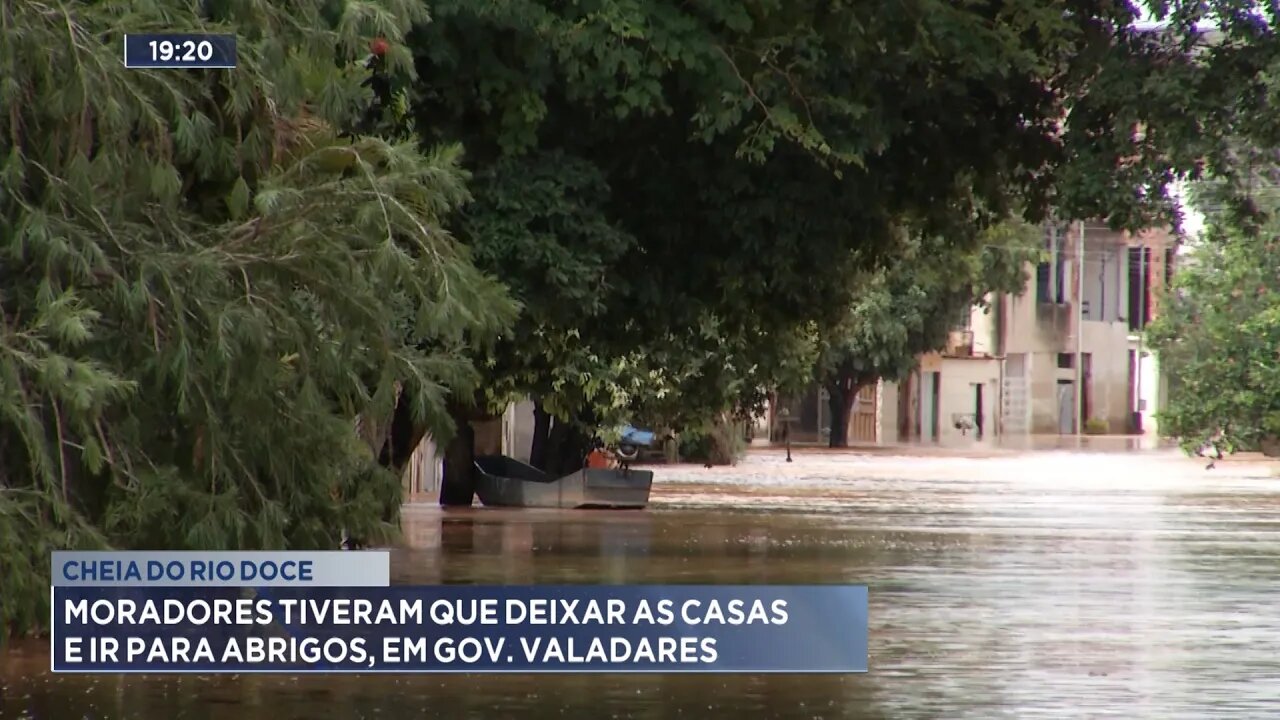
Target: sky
1192,220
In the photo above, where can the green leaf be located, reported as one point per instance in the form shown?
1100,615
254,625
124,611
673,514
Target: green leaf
238,199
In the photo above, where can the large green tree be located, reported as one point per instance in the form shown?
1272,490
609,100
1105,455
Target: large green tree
720,172
1216,330
211,298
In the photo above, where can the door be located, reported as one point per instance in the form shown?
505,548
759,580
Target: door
978,418
934,410
929,392
1066,407
862,419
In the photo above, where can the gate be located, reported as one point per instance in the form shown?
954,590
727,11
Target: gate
862,419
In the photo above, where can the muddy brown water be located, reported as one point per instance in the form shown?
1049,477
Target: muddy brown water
1049,585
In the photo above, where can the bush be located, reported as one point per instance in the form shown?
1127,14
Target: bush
695,445
1096,426
721,443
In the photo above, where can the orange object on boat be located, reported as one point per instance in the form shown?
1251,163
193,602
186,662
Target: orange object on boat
598,459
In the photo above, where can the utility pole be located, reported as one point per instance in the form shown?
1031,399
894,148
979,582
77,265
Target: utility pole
1080,334
1142,328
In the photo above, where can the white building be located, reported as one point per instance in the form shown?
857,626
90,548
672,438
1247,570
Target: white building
1010,371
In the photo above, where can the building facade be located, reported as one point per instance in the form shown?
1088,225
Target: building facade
1010,369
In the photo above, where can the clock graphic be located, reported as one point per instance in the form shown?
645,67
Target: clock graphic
180,51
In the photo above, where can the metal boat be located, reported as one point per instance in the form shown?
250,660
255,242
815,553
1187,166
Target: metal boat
503,481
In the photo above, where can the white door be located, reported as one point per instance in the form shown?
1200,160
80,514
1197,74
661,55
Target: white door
1066,408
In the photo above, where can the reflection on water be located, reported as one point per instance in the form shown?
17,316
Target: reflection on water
1050,585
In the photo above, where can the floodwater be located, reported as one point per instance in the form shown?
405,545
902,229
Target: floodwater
1050,585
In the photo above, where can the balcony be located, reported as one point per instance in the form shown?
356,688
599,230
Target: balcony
960,343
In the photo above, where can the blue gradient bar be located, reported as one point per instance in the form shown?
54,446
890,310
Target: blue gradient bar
445,629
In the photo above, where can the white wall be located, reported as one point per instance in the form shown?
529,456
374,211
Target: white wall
518,430
1150,391
982,321
887,415
421,480
1108,345
959,376
1106,279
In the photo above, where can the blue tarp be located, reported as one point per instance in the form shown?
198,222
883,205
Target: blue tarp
636,436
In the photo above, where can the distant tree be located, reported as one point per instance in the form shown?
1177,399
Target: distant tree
1218,337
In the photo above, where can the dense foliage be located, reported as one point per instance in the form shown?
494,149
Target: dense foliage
232,301
210,300
709,179
1216,330
1217,336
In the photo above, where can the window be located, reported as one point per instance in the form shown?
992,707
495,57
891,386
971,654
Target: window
1139,288
1043,286
1066,361
1051,274
1060,269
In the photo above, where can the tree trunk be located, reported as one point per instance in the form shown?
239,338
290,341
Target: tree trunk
564,451
403,437
573,451
551,448
541,432
724,441
459,484
841,395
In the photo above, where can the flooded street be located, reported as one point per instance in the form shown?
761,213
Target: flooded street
1048,585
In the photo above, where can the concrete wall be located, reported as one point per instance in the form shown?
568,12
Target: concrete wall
1041,331
1106,277
887,417
1108,384
983,323
518,430
958,397
421,479
1151,391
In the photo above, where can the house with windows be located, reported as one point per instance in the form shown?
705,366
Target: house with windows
1010,371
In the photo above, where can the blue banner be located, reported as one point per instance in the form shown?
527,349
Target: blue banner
461,628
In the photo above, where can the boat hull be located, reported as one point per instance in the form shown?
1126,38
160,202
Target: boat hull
505,482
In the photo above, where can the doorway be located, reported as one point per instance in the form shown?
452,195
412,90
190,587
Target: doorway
978,418
935,410
1066,407
930,397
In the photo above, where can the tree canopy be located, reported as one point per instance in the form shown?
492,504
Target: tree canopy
1217,336
206,291
233,301
709,180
